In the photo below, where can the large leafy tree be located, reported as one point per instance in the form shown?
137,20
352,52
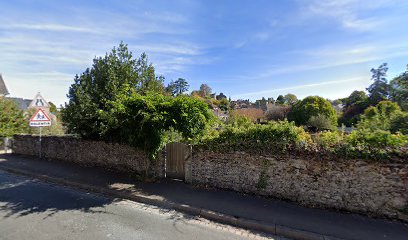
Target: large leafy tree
290,99
379,90
312,106
205,90
178,87
399,90
91,95
354,106
12,120
280,100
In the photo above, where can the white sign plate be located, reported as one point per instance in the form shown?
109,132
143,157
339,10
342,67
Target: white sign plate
40,119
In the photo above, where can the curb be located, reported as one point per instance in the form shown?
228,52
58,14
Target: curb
274,229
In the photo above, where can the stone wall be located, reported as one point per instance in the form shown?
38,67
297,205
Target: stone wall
352,185
375,188
90,153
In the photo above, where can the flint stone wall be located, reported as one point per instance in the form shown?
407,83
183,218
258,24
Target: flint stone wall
90,153
358,186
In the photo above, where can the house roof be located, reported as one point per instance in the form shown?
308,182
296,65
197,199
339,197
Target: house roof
3,88
22,103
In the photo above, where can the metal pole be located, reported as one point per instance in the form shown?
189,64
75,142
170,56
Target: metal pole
40,141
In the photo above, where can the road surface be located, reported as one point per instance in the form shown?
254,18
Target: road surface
30,209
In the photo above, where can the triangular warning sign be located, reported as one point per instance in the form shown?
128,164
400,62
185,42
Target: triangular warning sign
40,119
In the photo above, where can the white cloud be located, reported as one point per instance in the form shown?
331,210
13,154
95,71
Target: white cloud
269,92
49,27
348,13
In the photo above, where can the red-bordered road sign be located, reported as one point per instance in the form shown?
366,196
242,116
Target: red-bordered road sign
40,119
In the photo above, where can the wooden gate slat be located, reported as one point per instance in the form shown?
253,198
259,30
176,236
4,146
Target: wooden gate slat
176,155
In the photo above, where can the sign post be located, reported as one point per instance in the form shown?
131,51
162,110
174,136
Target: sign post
40,119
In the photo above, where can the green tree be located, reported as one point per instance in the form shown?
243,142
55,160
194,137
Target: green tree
205,90
399,90
399,123
181,86
312,106
379,117
290,99
224,104
171,88
12,120
92,93
354,106
280,100
53,108
379,90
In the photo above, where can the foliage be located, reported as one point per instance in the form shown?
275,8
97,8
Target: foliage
280,100
239,121
278,113
320,123
278,135
11,118
205,90
377,144
91,94
328,139
224,104
178,87
53,108
148,122
379,117
399,90
290,99
312,106
399,123
379,90
142,121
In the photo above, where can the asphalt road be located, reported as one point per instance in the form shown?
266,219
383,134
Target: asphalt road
30,209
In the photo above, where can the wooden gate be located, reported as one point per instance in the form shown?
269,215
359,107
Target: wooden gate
176,156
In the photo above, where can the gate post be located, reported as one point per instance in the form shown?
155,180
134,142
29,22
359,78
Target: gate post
187,166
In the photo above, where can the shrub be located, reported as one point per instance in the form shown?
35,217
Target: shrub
328,140
379,117
320,123
149,122
278,112
399,123
280,135
312,106
377,144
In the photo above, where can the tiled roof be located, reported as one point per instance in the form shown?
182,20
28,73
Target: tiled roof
22,103
3,88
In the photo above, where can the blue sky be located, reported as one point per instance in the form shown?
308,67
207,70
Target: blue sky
245,49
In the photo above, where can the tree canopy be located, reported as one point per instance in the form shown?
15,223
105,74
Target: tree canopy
379,90
399,90
312,106
12,120
120,99
178,87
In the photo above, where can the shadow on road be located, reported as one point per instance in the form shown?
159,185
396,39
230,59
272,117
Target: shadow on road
20,196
